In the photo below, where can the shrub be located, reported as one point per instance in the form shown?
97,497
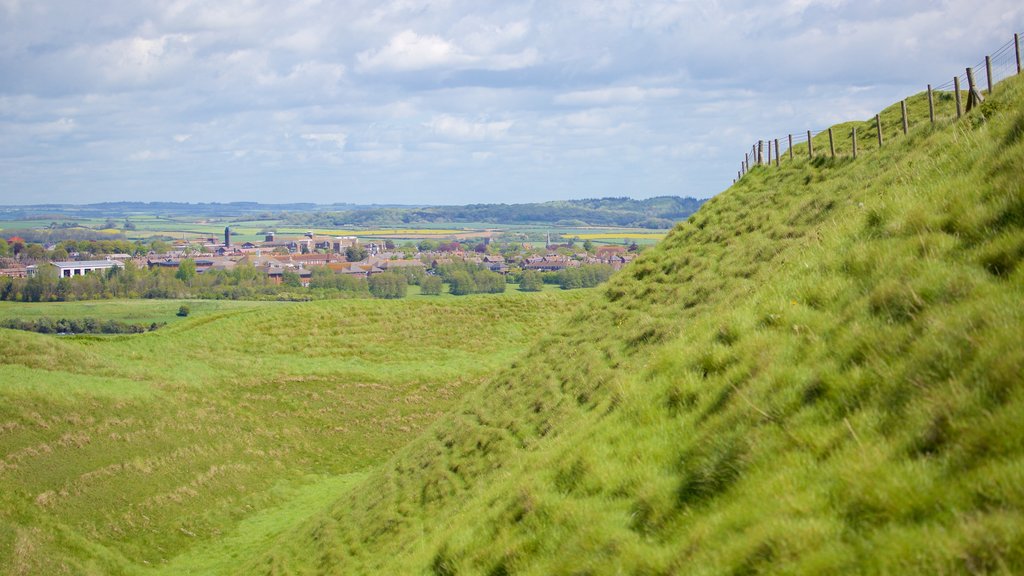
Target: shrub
183,311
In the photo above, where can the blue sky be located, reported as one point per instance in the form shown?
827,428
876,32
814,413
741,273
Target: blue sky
445,101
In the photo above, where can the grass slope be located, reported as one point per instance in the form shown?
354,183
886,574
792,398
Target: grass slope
819,372
190,449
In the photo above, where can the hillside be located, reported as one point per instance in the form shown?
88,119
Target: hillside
191,447
660,212
819,372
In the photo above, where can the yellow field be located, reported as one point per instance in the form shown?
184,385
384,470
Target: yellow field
618,235
393,232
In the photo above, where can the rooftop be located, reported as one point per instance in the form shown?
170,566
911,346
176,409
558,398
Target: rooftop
87,264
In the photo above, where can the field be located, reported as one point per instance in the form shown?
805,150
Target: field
150,225
227,427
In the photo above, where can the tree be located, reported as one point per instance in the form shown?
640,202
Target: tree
160,247
5,250
431,285
355,253
588,245
291,279
389,285
35,251
186,271
489,282
59,254
461,283
531,281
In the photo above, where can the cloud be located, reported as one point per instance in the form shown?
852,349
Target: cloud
615,95
432,100
462,129
408,51
336,138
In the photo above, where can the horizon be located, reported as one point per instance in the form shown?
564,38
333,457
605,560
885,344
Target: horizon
444,103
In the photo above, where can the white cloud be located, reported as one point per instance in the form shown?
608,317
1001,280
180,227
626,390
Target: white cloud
408,51
615,95
147,155
336,138
462,129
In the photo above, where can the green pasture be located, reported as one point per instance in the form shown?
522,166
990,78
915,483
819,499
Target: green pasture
195,447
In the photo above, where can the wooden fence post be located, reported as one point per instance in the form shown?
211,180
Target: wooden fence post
974,98
810,145
853,135
1016,50
769,158
777,155
739,174
956,90
988,73
790,146
903,109
931,105
878,125
746,160
760,152
831,144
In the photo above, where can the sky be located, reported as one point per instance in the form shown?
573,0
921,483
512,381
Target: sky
446,101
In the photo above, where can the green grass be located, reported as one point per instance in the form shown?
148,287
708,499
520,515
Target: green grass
819,372
125,453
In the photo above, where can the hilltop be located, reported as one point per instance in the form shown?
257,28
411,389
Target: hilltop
818,372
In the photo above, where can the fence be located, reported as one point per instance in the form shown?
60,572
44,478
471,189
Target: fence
949,100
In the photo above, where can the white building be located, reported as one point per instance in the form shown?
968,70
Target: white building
69,269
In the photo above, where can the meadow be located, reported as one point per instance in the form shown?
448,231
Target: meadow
128,454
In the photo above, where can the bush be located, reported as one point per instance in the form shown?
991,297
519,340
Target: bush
388,285
531,281
183,311
431,285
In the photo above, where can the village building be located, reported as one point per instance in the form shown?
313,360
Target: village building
83,267
14,271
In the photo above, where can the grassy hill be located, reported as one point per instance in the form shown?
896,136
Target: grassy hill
819,372
191,448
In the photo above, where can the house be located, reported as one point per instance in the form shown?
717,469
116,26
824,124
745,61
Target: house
14,271
549,264
354,268
387,265
83,267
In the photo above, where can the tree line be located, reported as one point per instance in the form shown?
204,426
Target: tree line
46,325
246,282
655,213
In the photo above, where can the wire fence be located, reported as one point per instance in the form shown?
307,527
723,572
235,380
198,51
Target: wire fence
947,101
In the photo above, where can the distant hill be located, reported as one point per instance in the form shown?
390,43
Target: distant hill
659,212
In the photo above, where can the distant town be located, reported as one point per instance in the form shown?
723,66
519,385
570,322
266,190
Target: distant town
297,261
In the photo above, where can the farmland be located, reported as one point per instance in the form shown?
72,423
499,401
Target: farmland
611,220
